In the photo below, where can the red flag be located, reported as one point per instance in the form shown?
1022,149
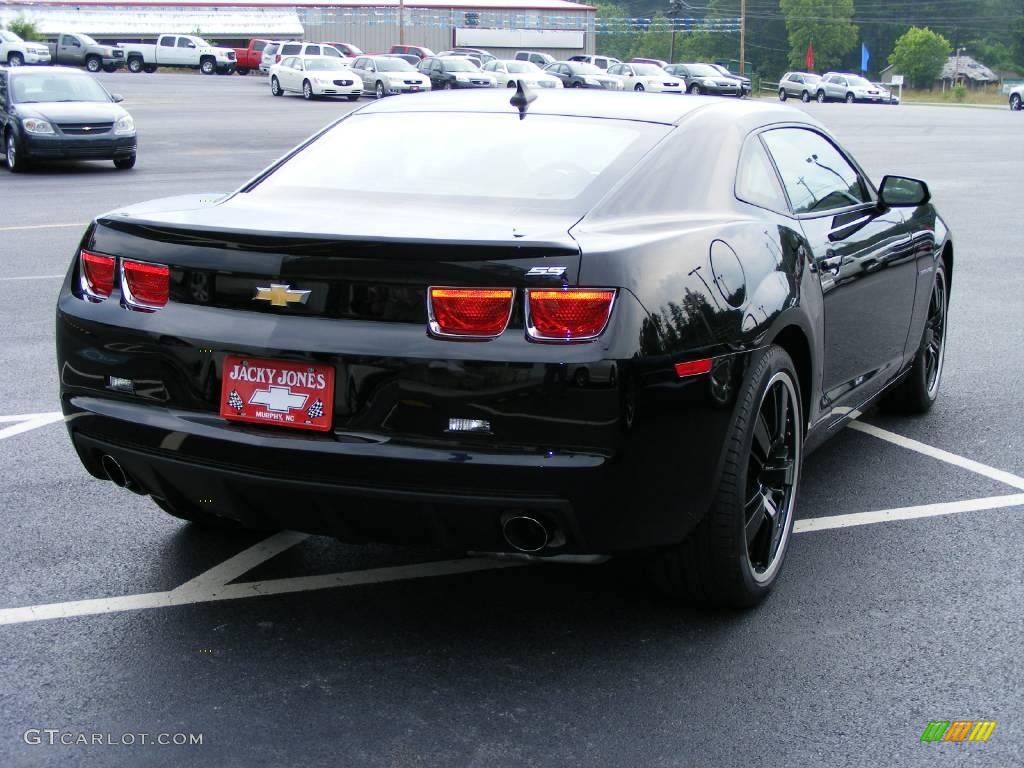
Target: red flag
810,57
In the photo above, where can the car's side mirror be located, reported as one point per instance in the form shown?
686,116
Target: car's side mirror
117,98
903,192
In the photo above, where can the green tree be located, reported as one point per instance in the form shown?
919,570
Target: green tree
656,41
24,28
825,24
614,36
919,55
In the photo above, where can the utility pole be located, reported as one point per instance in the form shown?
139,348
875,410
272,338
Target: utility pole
675,7
743,34
401,22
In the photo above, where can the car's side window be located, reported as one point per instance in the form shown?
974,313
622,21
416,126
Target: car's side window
167,42
313,50
184,42
756,180
816,175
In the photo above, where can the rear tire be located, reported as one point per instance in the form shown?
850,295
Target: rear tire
109,68
243,72
15,59
275,87
1015,102
639,88
782,94
919,389
510,84
94,64
149,69
821,97
850,98
805,97
735,554
307,90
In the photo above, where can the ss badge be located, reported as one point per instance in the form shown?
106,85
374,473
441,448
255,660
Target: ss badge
546,272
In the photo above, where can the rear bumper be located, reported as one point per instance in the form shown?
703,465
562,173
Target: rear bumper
59,147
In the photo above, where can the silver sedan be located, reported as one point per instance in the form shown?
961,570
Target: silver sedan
509,72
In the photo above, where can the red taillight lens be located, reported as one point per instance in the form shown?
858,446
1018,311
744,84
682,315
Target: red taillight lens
470,312
693,368
573,314
97,274
145,285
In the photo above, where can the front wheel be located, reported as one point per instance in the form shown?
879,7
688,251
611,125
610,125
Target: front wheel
243,71
15,163
149,69
378,90
735,554
109,68
307,90
15,59
805,97
511,84
94,64
850,98
695,90
207,66
821,97
782,94
639,88
124,163
920,388
275,87
1015,102
135,65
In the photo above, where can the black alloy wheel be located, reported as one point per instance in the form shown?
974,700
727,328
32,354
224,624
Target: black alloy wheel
735,553
919,389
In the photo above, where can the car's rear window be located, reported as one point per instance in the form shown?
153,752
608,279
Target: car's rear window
541,160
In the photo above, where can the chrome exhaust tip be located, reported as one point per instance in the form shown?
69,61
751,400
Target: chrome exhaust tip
525,534
114,472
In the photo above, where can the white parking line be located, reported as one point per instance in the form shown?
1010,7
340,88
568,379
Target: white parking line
41,226
992,473
213,585
30,277
28,422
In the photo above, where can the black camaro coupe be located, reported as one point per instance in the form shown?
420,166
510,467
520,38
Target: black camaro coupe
581,324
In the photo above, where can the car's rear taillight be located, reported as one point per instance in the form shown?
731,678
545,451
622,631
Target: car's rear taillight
568,314
97,275
144,285
277,58
471,313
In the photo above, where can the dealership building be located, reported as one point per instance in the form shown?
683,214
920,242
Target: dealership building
558,27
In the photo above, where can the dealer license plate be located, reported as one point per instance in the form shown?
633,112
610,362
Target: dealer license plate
278,392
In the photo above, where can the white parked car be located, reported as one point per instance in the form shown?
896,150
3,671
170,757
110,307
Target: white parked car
269,57
509,72
14,52
1017,98
315,76
647,77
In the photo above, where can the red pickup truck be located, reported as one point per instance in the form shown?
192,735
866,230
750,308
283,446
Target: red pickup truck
249,58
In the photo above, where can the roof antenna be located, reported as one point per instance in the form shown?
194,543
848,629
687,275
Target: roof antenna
522,99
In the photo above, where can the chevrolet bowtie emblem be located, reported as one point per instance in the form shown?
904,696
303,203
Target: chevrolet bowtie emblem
280,295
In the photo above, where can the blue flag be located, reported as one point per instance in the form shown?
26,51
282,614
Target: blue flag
864,57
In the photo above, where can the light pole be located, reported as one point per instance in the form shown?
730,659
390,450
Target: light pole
743,33
401,22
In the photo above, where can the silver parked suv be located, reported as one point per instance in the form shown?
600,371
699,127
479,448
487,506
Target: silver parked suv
799,85
840,86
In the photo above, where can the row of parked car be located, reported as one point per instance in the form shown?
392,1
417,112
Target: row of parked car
833,86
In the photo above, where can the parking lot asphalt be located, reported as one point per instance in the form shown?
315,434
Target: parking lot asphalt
874,630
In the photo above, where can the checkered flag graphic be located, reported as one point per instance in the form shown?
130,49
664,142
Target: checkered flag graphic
235,402
316,410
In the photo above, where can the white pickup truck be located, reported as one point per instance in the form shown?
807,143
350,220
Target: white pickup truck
14,52
179,51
